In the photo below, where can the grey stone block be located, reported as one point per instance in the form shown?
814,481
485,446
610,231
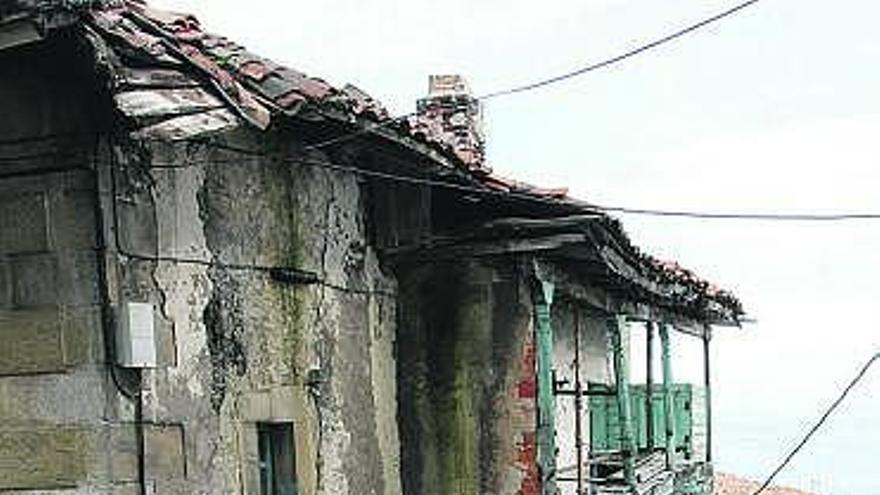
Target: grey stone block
82,332
256,406
77,278
164,446
72,219
137,227
5,284
32,342
34,280
124,462
23,225
129,488
42,459
66,398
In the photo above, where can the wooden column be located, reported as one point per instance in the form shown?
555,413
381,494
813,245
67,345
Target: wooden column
618,328
578,403
649,385
707,383
543,299
668,405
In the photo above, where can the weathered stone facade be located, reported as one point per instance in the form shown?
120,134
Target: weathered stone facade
365,283
249,349
55,416
235,347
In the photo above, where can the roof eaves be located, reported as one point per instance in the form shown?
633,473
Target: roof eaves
258,89
23,22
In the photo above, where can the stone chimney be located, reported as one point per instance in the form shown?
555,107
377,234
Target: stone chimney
450,114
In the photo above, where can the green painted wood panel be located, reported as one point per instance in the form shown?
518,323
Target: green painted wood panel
605,432
543,299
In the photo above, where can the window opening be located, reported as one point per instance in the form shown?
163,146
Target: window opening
277,458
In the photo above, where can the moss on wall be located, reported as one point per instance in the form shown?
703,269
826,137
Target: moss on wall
291,304
454,359
281,198
224,325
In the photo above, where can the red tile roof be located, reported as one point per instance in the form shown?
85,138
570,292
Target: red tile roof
174,69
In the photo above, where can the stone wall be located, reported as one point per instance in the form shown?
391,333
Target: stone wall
249,349
235,347
466,379
55,419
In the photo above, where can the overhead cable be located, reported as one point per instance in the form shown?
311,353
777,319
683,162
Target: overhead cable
558,78
506,193
818,425
619,58
531,197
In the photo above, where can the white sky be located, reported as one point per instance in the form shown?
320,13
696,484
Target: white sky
774,109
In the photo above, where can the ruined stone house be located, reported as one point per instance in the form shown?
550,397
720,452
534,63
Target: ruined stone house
220,275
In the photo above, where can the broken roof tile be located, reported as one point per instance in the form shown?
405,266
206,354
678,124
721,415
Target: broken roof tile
242,57
166,18
118,26
291,101
363,103
275,87
255,70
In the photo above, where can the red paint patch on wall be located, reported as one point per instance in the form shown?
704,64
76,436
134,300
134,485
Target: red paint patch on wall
527,387
526,462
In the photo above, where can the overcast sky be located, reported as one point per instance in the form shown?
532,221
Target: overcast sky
774,109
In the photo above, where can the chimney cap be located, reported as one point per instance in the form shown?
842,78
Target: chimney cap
447,84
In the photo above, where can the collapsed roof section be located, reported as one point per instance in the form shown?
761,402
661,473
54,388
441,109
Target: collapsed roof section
175,81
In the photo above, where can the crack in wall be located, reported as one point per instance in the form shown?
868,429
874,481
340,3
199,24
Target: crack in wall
225,329
222,317
317,394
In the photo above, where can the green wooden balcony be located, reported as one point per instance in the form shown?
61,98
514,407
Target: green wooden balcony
689,419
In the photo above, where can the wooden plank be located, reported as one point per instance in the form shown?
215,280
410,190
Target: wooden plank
649,467
618,328
663,483
162,102
668,405
516,223
543,300
18,32
485,248
707,384
157,78
189,126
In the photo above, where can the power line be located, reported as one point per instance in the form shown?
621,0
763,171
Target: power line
619,58
280,273
558,78
818,425
703,215
789,217
483,191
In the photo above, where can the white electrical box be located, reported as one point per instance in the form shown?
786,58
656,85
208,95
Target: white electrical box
136,336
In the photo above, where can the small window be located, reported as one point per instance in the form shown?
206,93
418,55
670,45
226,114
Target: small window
277,459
